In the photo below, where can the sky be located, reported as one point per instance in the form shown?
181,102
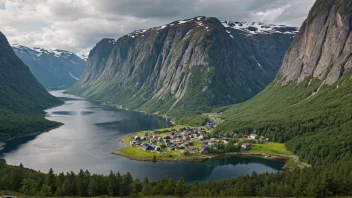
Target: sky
77,25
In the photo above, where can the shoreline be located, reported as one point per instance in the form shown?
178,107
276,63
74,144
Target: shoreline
206,157
3,144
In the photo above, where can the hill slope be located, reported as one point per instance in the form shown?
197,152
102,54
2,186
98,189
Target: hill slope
22,97
185,67
52,68
309,103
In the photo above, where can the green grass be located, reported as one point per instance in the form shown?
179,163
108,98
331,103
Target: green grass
270,148
291,164
137,153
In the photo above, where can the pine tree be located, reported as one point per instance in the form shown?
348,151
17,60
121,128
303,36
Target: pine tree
180,188
81,184
29,187
169,188
50,180
112,185
45,190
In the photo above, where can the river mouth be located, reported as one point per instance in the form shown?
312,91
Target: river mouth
89,134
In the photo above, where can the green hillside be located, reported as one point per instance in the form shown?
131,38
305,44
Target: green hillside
317,127
22,97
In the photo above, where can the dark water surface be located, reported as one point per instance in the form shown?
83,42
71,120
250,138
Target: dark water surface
91,132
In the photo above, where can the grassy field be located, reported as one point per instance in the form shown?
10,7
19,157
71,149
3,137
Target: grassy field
136,153
270,148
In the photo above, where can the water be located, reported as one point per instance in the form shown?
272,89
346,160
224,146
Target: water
91,132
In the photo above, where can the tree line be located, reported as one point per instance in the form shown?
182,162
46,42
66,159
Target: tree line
320,181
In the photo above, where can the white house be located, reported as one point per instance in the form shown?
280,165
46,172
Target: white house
253,136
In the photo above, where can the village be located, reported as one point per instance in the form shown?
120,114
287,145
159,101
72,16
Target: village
188,141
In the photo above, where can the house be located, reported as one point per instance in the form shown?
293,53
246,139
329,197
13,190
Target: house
185,152
234,134
132,143
246,145
202,151
253,136
143,138
245,135
137,138
137,142
226,141
147,147
157,148
169,144
201,137
267,139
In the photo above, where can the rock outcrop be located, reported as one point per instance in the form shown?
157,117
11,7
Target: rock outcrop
322,48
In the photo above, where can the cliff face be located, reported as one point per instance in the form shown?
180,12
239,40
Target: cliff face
52,68
185,67
308,106
322,48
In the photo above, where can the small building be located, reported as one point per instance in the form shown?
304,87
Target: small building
143,138
201,137
157,148
137,138
132,143
253,136
246,146
147,147
185,153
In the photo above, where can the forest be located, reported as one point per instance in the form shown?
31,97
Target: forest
320,181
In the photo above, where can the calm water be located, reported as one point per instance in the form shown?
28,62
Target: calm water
91,132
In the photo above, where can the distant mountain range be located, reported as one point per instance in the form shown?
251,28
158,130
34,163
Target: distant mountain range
53,68
22,99
185,67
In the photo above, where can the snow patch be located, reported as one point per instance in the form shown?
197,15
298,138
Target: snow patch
259,28
73,76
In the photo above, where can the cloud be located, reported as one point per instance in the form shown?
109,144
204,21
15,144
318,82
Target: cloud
77,25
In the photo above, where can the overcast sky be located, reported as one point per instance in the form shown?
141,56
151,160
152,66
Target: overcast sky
77,25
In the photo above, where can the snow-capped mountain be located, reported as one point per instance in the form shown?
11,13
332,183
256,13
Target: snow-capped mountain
246,28
53,68
260,28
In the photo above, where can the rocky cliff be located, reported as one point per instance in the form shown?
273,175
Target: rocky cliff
185,67
308,106
322,48
52,68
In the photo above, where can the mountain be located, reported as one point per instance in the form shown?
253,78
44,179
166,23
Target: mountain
185,67
22,99
52,68
308,106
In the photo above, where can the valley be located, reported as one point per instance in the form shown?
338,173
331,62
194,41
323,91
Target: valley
197,107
